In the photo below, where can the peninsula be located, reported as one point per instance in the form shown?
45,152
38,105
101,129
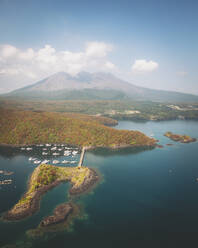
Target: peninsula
44,178
180,138
29,128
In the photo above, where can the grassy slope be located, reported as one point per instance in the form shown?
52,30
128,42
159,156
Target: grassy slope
47,174
27,127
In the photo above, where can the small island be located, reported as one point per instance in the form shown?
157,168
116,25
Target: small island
180,138
61,212
44,178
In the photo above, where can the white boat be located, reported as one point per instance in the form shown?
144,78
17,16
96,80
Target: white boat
55,154
32,159
66,154
29,149
73,162
47,144
60,149
37,162
45,161
53,148
44,153
22,148
55,161
65,162
44,149
74,152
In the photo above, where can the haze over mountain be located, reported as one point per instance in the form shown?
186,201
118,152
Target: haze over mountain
92,86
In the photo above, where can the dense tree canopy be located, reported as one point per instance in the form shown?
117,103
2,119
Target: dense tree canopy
28,127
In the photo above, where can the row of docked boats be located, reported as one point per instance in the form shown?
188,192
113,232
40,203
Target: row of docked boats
54,150
36,161
6,181
26,148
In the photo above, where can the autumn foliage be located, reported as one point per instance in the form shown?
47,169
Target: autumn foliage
28,127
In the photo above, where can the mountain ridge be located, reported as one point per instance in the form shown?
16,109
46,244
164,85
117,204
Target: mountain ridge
91,86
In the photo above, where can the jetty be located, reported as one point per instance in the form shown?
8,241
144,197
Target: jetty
82,155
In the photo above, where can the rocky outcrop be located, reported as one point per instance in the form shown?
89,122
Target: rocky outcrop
61,213
180,138
88,182
25,210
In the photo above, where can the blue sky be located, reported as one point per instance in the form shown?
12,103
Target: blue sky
150,43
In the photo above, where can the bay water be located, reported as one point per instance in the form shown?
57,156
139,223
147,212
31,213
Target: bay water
146,197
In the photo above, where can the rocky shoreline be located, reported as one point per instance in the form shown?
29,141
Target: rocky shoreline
26,210
88,182
60,214
179,138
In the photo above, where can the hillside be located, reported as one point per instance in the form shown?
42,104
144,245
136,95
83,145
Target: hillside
95,86
119,110
27,127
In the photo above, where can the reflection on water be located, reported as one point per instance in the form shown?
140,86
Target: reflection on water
105,152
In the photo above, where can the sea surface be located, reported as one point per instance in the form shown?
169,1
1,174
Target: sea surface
146,198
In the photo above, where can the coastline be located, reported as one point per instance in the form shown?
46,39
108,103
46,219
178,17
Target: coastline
28,209
118,146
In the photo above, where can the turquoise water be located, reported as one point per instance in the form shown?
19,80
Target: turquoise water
147,197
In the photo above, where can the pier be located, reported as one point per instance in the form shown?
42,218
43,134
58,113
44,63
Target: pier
82,155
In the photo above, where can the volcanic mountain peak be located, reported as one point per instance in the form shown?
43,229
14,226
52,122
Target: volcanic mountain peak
92,86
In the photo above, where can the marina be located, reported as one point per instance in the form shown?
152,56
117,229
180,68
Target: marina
45,153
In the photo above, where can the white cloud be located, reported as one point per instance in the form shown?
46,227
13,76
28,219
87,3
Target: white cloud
27,55
98,49
8,51
142,65
36,64
110,65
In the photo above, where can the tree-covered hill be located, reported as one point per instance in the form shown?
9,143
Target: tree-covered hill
28,127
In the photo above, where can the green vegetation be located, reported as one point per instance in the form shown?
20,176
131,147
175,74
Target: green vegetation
28,127
119,110
180,138
45,175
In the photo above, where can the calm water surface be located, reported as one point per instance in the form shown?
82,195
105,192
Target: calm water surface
146,197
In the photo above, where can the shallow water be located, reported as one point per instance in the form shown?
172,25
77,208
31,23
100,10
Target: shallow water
147,197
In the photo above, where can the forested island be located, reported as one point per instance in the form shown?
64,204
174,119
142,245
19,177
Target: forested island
180,138
46,177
